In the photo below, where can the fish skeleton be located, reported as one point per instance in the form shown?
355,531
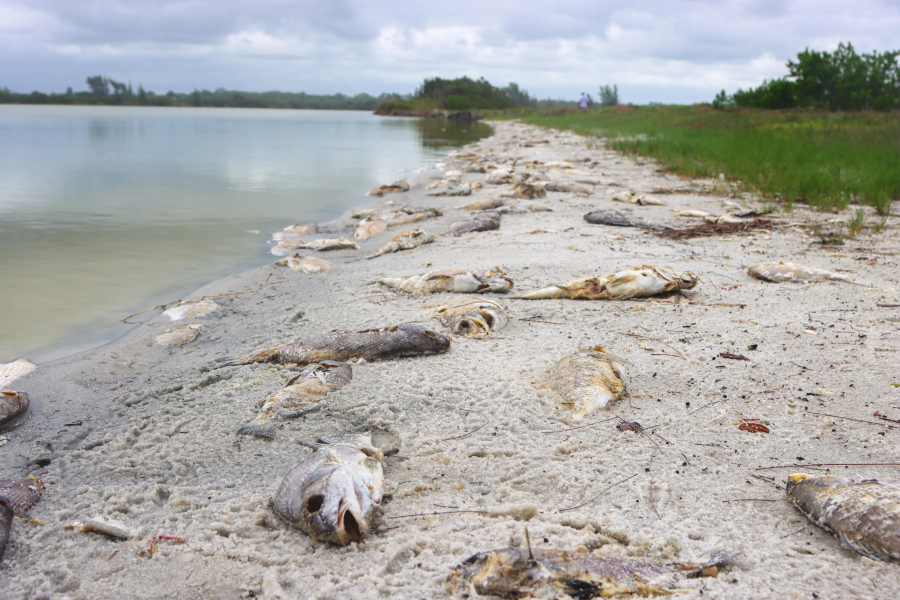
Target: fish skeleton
587,380
303,391
295,231
405,240
476,317
326,244
864,515
9,372
780,272
305,264
178,337
479,222
16,497
369,227
335,492
556,574
390,188
451,280
634,282
406,339
194,310
12,404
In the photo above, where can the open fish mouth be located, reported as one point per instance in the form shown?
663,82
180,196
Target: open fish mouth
349,526
476,325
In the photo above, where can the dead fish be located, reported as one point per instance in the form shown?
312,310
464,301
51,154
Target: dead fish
518,206
451,280
336,491
12,405
110,527
402,218
571,188
326,244
429,210
302,392
605,216
305,264
9,372
864,515
483,204
193,310
556,574
632,198
405,240
587,380
369,227
634,282
295,231
527,191
459,190
780,272
694,214
285,247
476,317
390,188
726,218
178,337
17,496
479,222
499,176
406,339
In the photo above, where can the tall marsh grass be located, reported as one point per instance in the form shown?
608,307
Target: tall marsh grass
826,159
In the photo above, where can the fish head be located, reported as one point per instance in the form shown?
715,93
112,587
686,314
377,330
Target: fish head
426,339
808,493
687,281
496,573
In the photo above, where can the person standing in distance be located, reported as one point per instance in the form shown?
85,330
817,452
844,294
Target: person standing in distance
583,101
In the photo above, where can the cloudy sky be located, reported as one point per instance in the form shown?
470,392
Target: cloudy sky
654,50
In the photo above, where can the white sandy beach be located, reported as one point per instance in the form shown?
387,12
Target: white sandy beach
146,434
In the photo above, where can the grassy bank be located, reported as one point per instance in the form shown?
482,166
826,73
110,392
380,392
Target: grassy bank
827,159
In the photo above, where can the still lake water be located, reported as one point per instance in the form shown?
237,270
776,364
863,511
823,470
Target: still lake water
105,211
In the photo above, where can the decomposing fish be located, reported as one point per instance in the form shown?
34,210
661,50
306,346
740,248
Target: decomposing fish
556,574
863,514
457,190
483,204
303,391
587,380
604,216
499,176
178,337
571,188
634,282
479,222
369,227
780,272
191,309
527,191
295,231
305,264
406,339
451,280
519,206
335,492
110,527
12,404
405,240
695,214
476,317
16,497
390,188
325,244
286,246
402,218
632,198
9,372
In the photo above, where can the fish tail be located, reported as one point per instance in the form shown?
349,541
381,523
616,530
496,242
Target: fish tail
264,356
391,282
544,293
258,430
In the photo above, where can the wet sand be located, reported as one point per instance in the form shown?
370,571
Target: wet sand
145,434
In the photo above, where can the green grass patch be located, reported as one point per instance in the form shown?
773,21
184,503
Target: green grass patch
826,159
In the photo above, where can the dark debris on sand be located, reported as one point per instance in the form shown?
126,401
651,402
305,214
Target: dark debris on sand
711,229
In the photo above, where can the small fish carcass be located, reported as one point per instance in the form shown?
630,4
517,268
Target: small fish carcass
863,514
391,188
305,264
369,227
780,272
556,574
9,372
12,405
587,380
405,240
178,337
16,497
300,394
327,244
632,198
458,281
336,491
634,282
294,232
485,221
191,309
406,339
476,317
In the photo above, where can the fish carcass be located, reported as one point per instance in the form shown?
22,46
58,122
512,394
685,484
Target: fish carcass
780,272
294,232
451,280
326,244
305,264
406,339
9,372
369,227
178,337
863,514
634,282
485,221
476,317
405,240
336,491
303,391
193,310
16,497
587,380
390,188
12,405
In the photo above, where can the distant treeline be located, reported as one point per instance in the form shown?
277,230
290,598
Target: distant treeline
839,80
105,90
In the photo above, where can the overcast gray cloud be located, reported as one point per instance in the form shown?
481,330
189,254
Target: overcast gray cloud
655,50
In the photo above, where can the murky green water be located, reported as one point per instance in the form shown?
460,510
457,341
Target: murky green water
105,211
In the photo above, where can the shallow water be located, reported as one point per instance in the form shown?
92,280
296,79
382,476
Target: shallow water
105,211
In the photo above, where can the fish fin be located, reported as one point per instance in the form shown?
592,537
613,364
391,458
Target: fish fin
264,356
258,430
857,546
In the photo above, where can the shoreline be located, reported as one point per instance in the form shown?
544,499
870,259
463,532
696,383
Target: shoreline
155,446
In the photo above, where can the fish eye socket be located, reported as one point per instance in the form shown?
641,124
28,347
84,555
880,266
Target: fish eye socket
315,503
431,334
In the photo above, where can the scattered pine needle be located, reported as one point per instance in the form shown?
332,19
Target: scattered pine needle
486,421
447,512
598,495
831,465
581,427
